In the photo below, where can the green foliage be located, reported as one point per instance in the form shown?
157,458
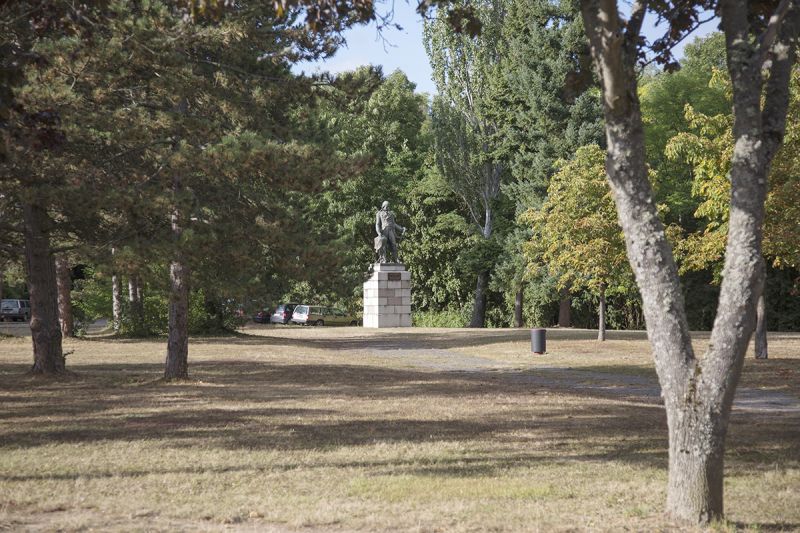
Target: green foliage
281,174
432,252
379,120
466,130
551,105
548,105
576,233
203,319
447,318
708,146
541,295
663,99
12,276
146,100
91,299
463,127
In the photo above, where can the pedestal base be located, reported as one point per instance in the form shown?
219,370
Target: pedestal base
387,297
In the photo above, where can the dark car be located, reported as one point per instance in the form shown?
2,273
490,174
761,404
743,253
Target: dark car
282,314
262,317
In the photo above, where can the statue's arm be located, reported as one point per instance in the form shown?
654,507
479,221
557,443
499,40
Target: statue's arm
378,223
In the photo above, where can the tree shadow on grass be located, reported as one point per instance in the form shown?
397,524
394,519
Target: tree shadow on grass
232,405
767,526
343,339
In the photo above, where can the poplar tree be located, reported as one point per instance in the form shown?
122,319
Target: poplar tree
464,130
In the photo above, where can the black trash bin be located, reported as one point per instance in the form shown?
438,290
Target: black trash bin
539,340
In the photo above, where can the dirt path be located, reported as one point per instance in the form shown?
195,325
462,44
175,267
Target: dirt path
464,350
607,383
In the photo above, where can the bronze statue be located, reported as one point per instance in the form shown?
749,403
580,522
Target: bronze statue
386,241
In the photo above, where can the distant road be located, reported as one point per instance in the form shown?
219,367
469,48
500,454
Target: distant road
17,329
23,329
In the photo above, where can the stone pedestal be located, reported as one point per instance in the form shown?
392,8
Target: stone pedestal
387,297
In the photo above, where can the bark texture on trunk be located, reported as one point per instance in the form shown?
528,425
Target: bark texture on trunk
48,357
762,350
116,302
697,394
519,299
177,364
696,450
565,309
478,319
64,282
488,194
601,327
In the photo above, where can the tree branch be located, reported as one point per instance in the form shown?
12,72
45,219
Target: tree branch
136,149
776,100
602,23
238,70
767,38
679,41
638,12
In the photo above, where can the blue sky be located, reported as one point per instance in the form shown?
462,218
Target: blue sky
403,49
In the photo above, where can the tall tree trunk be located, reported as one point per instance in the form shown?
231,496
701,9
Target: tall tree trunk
696,450
132,289
518,302
48,357
116,302
601,328
698,394
116,297
478,319
565,309
177,364
136,303
64,282
761,328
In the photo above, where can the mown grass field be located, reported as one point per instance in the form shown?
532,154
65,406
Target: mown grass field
345,429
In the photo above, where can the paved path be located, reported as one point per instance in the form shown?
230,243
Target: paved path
622,385
23,329
16,329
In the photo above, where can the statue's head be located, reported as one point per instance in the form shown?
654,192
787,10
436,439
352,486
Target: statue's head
385,205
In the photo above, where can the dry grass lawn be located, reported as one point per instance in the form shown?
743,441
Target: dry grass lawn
347,429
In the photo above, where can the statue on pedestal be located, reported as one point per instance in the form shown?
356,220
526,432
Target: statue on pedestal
386,241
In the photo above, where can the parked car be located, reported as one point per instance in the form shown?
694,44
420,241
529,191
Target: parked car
318,315
15,310
262,317
282,314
